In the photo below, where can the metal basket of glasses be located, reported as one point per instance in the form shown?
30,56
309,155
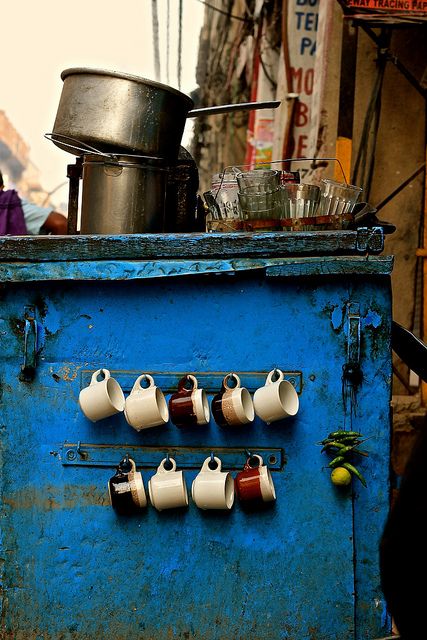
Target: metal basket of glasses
266,199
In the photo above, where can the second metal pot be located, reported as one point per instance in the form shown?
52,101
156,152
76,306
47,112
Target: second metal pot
122,197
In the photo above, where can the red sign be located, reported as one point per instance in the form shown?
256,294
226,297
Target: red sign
402,6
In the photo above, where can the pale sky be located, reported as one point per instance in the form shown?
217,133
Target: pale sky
41,39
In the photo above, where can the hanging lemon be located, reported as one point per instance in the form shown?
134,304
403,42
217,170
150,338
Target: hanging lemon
340,476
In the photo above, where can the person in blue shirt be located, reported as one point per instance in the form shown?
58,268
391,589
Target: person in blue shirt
39,220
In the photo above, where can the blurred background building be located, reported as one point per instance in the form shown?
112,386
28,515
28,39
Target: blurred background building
18,170
352,78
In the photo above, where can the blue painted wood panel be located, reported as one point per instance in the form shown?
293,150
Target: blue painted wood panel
72,569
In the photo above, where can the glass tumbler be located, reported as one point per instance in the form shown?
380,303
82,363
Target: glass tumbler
224,190
256,205
337,198
300,200
263,180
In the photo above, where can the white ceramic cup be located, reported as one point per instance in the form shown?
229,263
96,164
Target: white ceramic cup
146,407
276,400
167,487
102,398
213,488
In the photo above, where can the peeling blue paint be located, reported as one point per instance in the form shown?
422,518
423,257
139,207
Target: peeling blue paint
286,571
373,319
135,270
337,318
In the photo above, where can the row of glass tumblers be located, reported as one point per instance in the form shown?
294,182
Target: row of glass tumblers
259,195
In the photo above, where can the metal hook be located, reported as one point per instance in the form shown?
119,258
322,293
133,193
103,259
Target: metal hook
212,456
168,465
275,373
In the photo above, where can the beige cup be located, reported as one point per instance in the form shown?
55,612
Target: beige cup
146,407
102,398
167,487
213,488
276,400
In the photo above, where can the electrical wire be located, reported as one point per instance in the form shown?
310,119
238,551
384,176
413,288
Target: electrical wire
267,73
179,67
156,48
364,164
168,17
225,13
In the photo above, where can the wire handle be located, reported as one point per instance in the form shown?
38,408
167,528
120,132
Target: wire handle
232,168
58,137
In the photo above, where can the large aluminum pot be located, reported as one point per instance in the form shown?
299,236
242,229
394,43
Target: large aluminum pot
121,113
122,196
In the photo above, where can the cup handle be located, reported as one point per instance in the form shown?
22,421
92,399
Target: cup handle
249,466
133,465
184,380
97,373
228,377
137,384
161,467
271,374
127,460
206,467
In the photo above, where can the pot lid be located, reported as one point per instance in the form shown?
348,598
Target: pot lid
126,76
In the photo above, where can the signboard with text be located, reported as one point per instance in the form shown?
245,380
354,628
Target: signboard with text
389,6
303,18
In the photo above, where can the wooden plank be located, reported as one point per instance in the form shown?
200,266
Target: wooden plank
331,266
123,269
143,269
184,245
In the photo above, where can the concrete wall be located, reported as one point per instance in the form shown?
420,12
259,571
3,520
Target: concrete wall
400,150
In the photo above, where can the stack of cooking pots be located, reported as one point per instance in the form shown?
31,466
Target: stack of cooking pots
128,131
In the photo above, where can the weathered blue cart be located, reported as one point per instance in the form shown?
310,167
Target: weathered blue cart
316,305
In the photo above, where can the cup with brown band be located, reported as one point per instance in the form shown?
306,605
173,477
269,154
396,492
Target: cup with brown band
126,489
254,485
189,406
233,405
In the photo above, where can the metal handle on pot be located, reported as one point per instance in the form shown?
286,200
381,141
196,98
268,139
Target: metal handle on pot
227,108
58,137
